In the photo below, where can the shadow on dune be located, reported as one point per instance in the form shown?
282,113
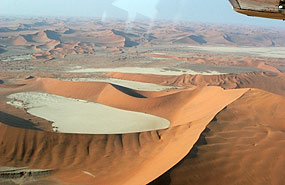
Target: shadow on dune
14,121
128,91
28,38
2,50
198,39
128,41
165,179
53,35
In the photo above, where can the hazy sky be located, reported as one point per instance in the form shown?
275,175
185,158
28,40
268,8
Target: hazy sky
210,11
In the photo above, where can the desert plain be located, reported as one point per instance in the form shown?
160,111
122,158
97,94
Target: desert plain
86,101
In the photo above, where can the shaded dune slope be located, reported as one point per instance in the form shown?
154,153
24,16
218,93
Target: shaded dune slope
135,158
39,37
2,50
245,141
128,42
192,39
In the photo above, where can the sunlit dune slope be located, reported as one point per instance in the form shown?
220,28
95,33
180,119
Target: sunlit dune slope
244,144
136,158
19,41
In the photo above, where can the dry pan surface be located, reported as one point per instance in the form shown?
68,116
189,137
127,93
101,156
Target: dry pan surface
79,116
272,52
125,83
142,70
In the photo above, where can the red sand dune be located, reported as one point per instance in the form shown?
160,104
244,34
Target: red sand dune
223,60
36,49
50,45
114,159
271,82
239,133
108,38
40,37
244,144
